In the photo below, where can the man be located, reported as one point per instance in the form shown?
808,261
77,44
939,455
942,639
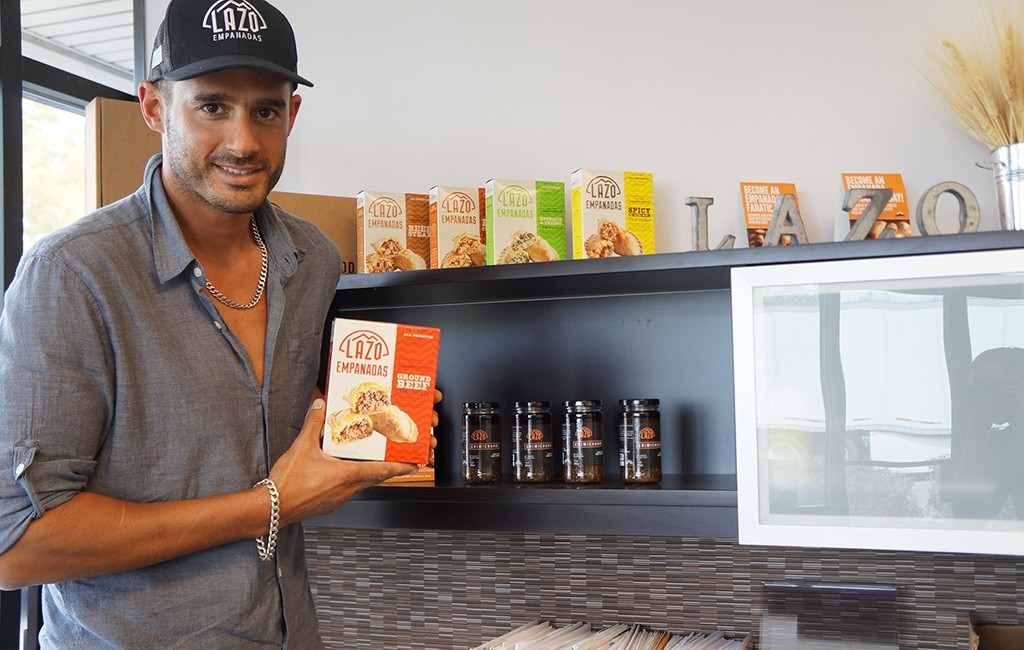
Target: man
987,480
157,364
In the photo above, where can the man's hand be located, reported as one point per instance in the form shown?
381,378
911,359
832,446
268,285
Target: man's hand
312,483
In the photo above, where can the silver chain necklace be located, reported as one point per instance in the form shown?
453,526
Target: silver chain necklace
263,275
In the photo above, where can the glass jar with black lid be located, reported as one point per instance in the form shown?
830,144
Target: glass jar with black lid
532,443
481,442
640,441
582,442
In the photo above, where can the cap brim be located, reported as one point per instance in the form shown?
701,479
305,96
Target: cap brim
220,63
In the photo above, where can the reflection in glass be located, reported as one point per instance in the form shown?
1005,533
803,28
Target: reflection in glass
891,403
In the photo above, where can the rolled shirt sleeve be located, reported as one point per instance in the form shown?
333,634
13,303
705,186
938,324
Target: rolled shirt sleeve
55,392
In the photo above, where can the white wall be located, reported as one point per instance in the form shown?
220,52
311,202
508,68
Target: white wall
703,93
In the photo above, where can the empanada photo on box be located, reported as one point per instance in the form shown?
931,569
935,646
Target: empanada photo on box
347,426
368,397
395,424
407,260
627,244
598,247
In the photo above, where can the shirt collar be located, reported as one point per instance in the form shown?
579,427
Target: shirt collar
173,256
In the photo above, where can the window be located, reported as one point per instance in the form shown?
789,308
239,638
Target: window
53,148
55,57
89,38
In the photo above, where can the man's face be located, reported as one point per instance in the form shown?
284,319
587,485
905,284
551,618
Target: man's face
225,136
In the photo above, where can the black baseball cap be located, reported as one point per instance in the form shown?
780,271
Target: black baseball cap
198,37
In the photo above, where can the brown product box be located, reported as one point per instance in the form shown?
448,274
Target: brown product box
457,217
118,145
380,391
334,215
392,231
423,475
994,637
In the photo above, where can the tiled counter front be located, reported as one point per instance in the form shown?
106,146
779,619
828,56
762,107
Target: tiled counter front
417,590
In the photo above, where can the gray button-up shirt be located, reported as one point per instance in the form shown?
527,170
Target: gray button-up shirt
118,376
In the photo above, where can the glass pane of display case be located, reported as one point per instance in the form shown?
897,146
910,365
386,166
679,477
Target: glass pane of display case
880,402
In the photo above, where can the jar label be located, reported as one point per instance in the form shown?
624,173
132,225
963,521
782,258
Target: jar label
484,446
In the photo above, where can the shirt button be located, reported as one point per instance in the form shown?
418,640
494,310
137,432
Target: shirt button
198,272
19,470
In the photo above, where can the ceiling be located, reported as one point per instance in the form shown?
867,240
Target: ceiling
97,32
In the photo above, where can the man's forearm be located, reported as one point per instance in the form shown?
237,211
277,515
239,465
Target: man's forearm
93,535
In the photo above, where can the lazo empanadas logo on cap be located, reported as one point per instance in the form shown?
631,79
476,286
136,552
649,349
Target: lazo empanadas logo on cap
234,19
365,353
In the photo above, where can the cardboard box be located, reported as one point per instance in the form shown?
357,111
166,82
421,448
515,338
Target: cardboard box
525,221
612,213
380,391
994,637
457,234
118,145
392,231
334,215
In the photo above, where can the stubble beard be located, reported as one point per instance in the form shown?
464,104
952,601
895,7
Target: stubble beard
191,171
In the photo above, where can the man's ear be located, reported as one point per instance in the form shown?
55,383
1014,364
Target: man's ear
151,103
296,102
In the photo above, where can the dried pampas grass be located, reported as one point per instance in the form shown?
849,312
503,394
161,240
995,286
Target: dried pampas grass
982,76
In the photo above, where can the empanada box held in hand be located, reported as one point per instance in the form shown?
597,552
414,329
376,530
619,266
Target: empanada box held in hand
380,391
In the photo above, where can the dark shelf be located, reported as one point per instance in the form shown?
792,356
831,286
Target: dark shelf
664,272
663,326
701,505
708,489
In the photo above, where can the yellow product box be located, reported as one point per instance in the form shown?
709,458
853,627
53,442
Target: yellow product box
759,201
525,221
612,213
457,234
392,231
896,214
380,391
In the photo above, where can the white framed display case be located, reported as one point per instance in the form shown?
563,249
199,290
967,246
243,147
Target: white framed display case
879,402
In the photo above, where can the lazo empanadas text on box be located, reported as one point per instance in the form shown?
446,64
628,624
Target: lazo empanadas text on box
380,391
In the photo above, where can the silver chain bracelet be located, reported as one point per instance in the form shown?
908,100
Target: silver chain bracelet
267,550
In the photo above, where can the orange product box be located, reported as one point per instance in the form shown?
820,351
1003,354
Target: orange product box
380,391
392,231
457,218
759,201
896,214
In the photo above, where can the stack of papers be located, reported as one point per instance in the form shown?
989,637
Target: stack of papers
542,635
